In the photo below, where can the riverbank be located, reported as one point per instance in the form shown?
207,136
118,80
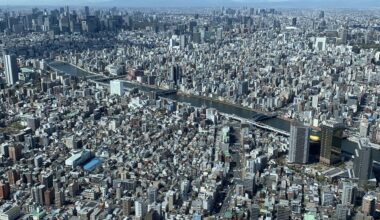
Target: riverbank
80,68
256,111
228,108
225,103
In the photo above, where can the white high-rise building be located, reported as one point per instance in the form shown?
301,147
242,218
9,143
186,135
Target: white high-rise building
320,43
117,87
347,193
364,127
299,144
315,101
11,71
140,209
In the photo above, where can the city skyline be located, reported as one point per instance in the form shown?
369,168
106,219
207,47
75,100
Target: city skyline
214,109
201,3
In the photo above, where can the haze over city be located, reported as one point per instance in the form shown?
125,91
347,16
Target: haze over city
202,3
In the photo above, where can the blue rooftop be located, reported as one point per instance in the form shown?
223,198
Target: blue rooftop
92,164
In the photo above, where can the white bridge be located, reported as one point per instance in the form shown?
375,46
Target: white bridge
256,124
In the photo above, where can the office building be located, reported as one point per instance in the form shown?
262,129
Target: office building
185,186
327,197
320,43
9,212
294,22
363,161
87,11
152,195
47,179
243,88
283,212
175,74
11,71
321,14
33,123
364,127
117,87
331,142
78,158
212,114
341,212
299,143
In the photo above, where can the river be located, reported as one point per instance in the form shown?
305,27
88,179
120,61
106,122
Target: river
347,147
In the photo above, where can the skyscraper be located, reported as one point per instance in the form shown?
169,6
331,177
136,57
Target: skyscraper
299,143
87,11
11,71
331,142
363,161
294,21
321,14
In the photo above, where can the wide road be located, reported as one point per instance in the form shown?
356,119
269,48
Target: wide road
237,176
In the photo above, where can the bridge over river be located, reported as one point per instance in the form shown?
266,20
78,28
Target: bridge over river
275,124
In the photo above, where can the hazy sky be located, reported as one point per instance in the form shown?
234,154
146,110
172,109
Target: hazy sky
191,3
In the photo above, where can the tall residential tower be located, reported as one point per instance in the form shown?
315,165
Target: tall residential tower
11,71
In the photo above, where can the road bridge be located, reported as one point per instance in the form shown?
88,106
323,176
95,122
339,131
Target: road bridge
256,124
